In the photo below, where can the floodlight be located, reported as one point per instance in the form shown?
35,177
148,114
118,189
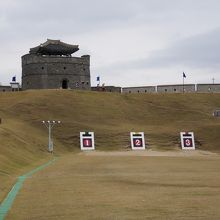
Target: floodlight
49,125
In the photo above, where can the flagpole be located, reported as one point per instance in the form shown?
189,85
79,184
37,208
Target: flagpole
183,84
184,76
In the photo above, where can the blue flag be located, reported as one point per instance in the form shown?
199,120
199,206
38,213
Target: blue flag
14,79
98,78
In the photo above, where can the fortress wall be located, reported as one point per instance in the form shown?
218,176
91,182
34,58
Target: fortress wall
208,88
113,89
176,88
106,88
5,88
143,89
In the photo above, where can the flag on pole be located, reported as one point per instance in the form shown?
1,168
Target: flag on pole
98,78
184,75
14,79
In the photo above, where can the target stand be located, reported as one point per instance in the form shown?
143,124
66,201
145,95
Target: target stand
87,141
137,141
187,140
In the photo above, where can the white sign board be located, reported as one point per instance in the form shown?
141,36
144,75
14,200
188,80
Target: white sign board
14,85
137,141
87,141
187,140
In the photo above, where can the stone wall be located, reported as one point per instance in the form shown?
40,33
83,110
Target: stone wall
5,88
208,88
179,88
112,89
106,89
54,72
143,89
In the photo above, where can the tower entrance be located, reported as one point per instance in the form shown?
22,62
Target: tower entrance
65,84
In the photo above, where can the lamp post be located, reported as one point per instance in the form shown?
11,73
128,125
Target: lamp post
49,125
213,80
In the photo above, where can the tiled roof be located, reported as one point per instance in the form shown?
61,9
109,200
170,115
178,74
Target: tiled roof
54,47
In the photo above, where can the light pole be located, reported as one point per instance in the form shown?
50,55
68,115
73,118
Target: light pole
213,80
49,125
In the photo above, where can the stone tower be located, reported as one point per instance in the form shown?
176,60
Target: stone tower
51,66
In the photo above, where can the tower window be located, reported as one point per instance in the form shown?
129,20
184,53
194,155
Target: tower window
42,67
64,67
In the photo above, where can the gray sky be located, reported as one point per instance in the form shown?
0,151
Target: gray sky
131,43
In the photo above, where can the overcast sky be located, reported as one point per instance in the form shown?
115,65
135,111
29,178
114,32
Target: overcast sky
131,43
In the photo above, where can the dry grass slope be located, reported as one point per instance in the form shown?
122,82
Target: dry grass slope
111,116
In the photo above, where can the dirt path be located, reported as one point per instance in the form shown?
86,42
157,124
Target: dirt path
151,153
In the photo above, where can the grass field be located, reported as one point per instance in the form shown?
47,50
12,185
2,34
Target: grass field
23,138
83,186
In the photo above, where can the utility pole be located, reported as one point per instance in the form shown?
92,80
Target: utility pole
49,125
213,80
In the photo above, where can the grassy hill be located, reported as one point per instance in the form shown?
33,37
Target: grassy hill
23,138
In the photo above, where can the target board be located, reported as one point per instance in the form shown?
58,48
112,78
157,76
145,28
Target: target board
137,141
187,140
87,141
